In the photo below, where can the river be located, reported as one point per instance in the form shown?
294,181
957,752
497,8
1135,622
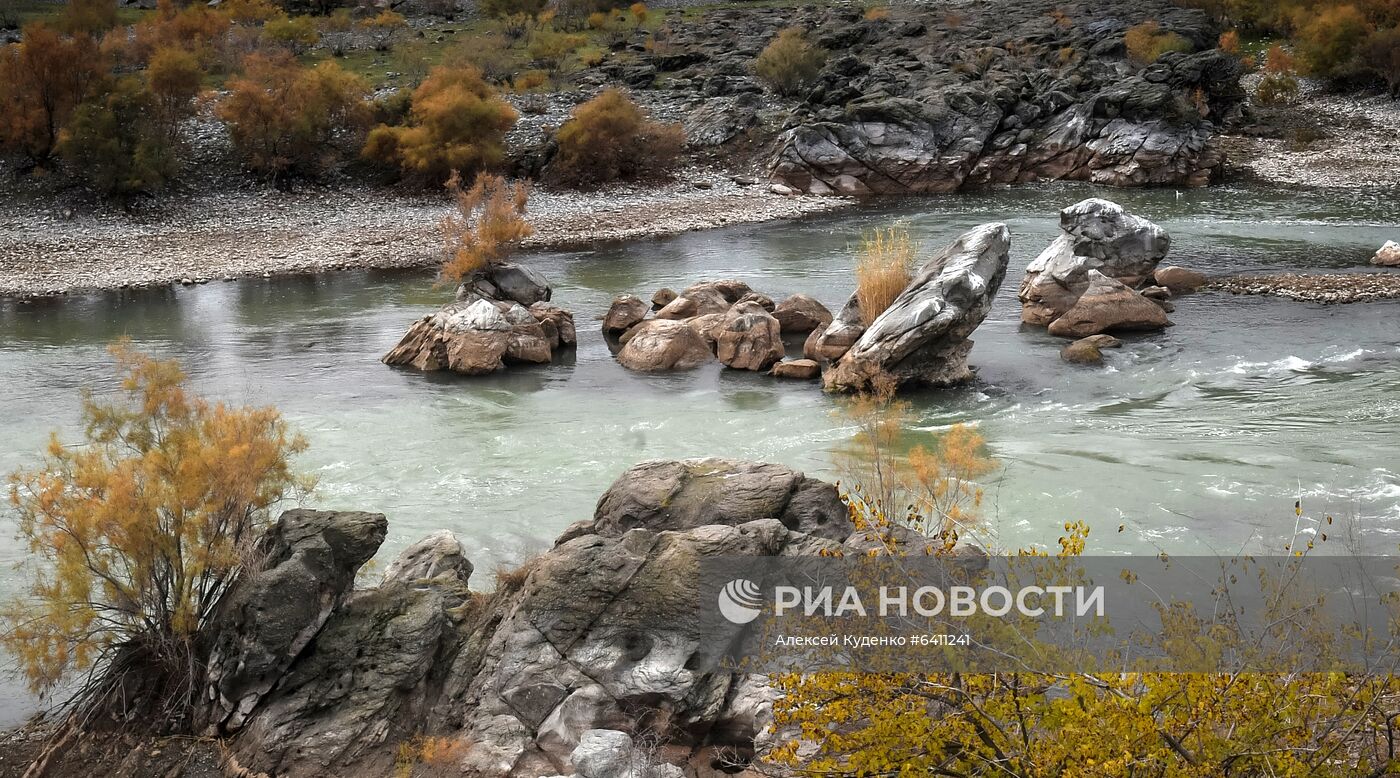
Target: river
1196,439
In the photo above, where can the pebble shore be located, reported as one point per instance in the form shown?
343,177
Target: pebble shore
262,232
1329,289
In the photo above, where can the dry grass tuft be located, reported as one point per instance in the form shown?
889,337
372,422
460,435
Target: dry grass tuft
884,267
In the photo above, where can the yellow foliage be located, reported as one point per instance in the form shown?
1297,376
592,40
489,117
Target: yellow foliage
135,534
877,13
1229,42
383,27
431,751
1147,42
456,124
884,267
488,224
609,138
790,62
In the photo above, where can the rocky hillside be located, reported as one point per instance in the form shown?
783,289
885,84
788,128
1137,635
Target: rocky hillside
934,97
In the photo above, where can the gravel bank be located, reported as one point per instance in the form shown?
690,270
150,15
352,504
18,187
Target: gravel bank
1316,288
1358,148
233,234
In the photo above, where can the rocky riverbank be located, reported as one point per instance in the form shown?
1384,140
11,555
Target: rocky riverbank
1326,288
261,232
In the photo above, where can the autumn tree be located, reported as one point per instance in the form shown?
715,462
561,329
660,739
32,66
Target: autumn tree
1382,55
174,76
42,80
486,225
1330,42
790,62
609,138
382,28
89,17
135,533
456,124
289,120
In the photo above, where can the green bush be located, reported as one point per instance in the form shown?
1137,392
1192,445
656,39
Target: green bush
115,142
1277,89
790,62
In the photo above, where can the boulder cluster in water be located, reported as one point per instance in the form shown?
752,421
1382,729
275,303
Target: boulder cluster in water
501,316
1102,274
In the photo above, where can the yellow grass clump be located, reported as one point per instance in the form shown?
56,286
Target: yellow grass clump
884,267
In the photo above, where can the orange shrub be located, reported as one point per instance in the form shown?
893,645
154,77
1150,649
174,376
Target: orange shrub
487,225
1229,42
790,62
42,79
1330,43
288,120
1147,42
609,138
456,124
884,267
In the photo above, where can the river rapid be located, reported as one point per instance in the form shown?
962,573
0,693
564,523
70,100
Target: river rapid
1196,439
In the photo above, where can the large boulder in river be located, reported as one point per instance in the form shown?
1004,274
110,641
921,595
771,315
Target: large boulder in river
626,311
749,338
923,336
1109,306
478,336
801,313
695,492
1388,256
1095,235
660,345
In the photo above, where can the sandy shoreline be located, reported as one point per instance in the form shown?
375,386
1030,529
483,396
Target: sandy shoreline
244,233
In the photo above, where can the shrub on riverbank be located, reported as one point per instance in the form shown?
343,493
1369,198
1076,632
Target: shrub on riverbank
609,138
43,79
287,120
456,125
884,267
1147,42
135,534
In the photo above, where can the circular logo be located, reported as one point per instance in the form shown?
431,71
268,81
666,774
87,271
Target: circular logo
740,601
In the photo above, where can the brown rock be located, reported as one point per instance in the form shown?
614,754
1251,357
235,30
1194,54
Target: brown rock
1108,305
801,313
757,297
695,301
1157,293
830,342
804,369
727,288
1085,351
664,344
1178,279
528,343
750,338
662,298
708,326
626,311
558,324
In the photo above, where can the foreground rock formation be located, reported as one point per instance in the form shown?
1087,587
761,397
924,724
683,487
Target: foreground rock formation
602,638
1086,282
501,316
922,337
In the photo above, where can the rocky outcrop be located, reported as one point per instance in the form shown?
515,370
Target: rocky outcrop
480,336
911,104
659,345
748,338
1388,256
1108,305
506,281
308,565
922,337
693,493
602,639
830,343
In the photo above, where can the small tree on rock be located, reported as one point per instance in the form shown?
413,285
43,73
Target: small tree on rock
487,225
790,62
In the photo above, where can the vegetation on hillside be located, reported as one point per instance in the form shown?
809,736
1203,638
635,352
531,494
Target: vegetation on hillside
609,138
1348,42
